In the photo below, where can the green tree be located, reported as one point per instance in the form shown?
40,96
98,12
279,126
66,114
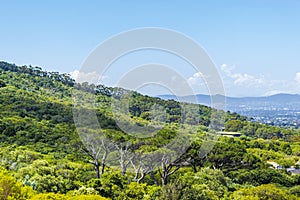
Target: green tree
262,192
11,189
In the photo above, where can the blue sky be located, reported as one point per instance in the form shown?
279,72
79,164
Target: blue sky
254,44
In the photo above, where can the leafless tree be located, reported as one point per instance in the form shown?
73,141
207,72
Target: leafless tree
125,156
97,148
142,165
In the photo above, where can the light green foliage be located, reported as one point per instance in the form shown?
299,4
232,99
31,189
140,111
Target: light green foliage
141,191
263,176
263,192
10,188
205,184
295,190
87,197
48,196
53,196
112,184
85,190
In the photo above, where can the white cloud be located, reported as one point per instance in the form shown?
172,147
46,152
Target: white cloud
196,79
241,78
227,68
198,84
244,84
297,77
91,77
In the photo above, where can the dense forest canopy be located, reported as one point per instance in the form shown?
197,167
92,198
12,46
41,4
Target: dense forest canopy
43,156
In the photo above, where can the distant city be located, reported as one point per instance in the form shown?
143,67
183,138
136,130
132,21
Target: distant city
283,115
279,110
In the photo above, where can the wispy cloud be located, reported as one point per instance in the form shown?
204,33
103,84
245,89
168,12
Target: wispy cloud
198,83
297,77
196,79
90,77
242,79
244,84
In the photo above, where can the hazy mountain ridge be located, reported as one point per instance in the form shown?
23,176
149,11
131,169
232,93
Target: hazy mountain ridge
283,99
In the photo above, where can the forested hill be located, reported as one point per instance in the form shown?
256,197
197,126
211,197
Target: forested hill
43,156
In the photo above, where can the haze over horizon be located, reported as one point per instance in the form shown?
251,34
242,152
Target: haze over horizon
254,44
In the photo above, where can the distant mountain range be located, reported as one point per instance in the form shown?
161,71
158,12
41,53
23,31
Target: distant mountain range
240,104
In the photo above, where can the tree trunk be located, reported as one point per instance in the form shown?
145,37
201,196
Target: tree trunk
123,171
141,178
194,165
153,178
102,168
97,166
103,161
166,172
164,180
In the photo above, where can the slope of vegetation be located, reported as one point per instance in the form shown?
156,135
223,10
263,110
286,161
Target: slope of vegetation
43,157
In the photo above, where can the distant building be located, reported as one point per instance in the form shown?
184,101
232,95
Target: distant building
293,170
274,165
229,134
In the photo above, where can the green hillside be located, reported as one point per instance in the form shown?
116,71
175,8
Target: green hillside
44,156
